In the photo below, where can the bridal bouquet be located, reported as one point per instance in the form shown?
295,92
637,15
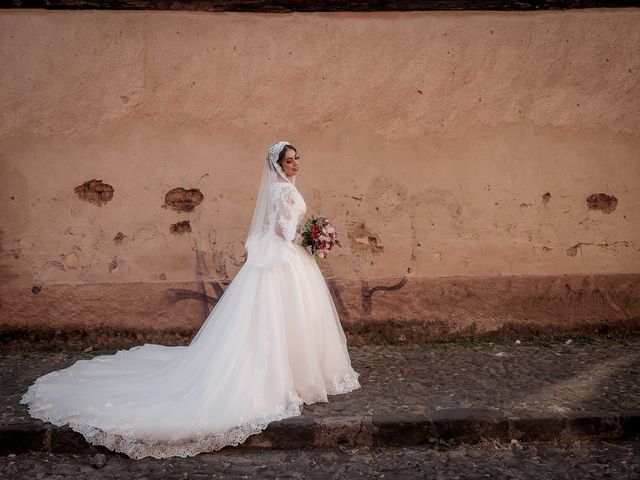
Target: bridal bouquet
320,235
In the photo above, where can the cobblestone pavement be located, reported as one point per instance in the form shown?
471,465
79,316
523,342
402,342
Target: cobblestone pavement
595,375
549,461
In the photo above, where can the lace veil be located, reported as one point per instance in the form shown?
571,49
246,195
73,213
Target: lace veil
272,173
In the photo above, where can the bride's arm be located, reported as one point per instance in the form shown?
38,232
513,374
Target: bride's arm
285,225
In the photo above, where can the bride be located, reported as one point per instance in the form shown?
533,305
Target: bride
272,343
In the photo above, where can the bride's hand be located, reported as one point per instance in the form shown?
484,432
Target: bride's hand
298,239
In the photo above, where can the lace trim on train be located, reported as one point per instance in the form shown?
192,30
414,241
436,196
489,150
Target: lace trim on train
137,448
345,384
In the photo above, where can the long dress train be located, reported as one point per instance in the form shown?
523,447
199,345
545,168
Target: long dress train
272,343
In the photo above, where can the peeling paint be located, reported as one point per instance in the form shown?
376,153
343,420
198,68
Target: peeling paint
362,240
609,247
94,191
602,202
181,227
56,264
72,259
509,227
573,251
113,264
183,200
470,235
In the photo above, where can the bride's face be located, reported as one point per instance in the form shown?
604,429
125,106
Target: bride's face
290,163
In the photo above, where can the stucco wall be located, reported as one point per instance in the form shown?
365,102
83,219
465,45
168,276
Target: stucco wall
457,145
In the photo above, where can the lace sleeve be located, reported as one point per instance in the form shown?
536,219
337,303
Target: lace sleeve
285,222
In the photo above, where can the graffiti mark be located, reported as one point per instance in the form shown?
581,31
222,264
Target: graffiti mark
367,292
208,300
178,294
343,313
175,295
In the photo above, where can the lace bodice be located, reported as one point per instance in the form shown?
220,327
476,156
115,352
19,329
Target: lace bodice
288,210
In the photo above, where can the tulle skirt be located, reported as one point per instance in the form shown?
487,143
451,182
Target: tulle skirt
272,343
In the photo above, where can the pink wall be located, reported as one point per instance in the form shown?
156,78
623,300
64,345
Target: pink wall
429,138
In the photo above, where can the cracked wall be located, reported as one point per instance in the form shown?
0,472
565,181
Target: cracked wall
498,145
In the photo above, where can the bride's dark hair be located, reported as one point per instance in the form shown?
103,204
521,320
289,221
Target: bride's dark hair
283,153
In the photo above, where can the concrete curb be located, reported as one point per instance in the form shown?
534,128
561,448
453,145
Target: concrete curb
454,425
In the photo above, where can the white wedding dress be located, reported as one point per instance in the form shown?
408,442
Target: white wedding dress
272,343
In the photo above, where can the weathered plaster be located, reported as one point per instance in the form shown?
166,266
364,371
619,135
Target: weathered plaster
457,144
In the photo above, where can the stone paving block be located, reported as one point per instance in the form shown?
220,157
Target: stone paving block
23,437
399,429
630,424
470,424
411,394
529,426
594,424
296,432
339,430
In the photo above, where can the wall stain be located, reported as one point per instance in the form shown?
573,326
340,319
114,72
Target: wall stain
439,198
367,292
343,312
208,301
175,295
